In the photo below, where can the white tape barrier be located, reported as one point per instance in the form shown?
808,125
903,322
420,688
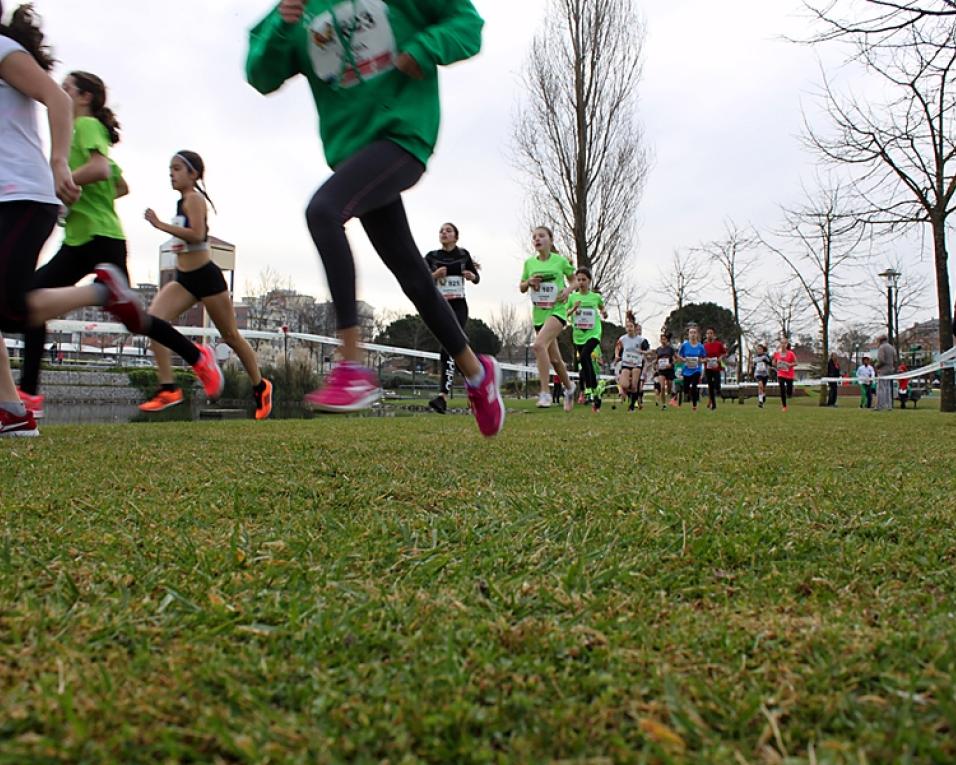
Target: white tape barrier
113,328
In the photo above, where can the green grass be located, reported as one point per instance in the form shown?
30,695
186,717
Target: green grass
733,587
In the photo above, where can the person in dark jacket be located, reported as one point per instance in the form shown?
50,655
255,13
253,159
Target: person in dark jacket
451,267
833,371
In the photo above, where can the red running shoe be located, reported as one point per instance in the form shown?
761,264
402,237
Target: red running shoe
485,399
209,373
122,303
33,403
349,387
12,425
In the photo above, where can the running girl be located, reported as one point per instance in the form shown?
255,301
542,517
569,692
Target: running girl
198,280
372,67
630,352
760,369
585,310
692,354
451,268
93,234
785,360
716,353
665,368
31,190
547,277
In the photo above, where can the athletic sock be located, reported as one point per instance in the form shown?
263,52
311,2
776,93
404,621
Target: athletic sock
102,293
14,407
169,387
478,379
260,388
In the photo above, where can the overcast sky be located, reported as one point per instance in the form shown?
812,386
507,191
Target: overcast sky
720,103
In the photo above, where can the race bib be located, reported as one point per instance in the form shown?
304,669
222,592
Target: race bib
760,368
633,358
692,362
713,364
176,244
452,287
585,318
371,49
784,365
664,363
546,296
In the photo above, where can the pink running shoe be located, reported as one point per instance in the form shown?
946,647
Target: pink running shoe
123,303
209,373
350,387
17,425
33,403
485,399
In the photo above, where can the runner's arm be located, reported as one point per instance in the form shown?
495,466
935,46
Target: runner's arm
272,59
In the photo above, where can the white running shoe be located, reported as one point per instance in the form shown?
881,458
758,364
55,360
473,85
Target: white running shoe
569,397
544,400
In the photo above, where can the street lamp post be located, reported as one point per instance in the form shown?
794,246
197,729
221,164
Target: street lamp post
892,281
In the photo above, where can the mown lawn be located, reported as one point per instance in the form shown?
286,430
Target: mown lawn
742,586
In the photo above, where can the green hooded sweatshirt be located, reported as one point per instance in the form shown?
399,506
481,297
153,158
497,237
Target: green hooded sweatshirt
347,50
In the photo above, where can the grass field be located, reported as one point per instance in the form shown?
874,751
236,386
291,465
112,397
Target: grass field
741,586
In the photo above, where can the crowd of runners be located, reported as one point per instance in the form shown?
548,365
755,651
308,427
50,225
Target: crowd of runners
353,65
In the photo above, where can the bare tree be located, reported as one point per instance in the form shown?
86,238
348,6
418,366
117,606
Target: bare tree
903,150
855,338
263,299
576,136
683,280
785,305
509,324
879,21
909,297
735,257
629,297
819,243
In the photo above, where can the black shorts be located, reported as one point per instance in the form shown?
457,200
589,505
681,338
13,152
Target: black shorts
763,380
667,374
539,327
203,282
24,228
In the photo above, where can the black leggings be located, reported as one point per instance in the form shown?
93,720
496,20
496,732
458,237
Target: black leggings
690,387
446,364
24,228
66,268
713,385
588,375
369,186
786,390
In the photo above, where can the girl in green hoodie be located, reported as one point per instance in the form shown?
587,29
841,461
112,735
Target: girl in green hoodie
372,66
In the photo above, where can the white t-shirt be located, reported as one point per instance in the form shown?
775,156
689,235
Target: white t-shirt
632,350
25,174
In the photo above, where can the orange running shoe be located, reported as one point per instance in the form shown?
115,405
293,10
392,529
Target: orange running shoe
263,400
209,373
162,400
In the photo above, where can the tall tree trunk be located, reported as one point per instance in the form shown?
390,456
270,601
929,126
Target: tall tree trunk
947,392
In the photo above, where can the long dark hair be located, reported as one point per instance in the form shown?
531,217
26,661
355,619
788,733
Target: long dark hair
90,83
24,28
194,162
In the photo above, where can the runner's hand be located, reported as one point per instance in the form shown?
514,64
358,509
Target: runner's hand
66,188
408,66
469,276
535,282
151,217
291,10
440,273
